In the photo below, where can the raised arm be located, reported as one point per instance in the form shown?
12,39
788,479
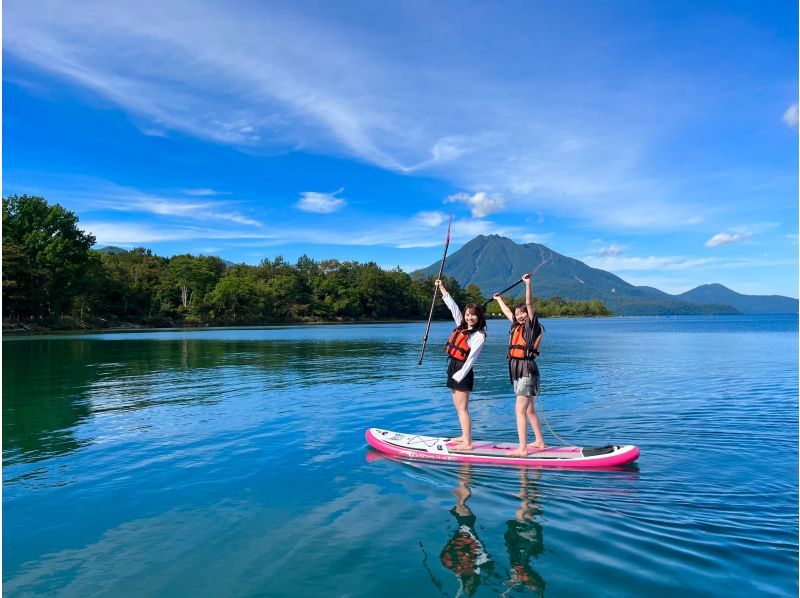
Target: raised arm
450,303
503,307
528,296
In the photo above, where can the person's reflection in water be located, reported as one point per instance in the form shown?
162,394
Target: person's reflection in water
524,538
465,554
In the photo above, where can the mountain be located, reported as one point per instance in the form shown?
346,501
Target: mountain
493,263
112,250
749,304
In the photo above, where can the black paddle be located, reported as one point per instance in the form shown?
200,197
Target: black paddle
532,272
435,290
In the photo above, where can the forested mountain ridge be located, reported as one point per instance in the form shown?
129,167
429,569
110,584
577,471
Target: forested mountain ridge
749,304
493,262
52,278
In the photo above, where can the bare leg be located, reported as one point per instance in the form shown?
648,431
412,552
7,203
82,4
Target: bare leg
462,491
461,401
521,411
538,440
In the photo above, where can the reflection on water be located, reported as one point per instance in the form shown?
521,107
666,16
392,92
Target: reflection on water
467,557
232,462
42,399
464,554
50,387
524,535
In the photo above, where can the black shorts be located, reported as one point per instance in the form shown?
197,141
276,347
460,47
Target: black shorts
454,365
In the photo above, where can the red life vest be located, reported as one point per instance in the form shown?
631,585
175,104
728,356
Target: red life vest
517,347
457,346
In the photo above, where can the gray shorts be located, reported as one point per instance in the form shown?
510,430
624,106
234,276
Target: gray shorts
527,386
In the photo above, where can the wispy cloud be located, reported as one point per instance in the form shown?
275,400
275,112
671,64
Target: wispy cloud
624,264
395,232
791,117
231,75
258,76
610,251
430,219
98,195
148,204
321,203
480,204
204,192
727,238
132,233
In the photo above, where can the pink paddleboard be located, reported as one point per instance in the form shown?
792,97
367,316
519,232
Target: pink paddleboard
414,446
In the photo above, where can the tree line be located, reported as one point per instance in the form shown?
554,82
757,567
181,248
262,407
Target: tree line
53,278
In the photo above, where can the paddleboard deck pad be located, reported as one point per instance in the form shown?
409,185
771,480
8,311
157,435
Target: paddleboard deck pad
414,446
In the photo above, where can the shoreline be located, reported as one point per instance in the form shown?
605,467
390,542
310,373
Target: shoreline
131,327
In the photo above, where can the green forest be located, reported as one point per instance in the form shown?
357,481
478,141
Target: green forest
53,279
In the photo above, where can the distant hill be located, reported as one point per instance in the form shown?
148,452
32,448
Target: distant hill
749,304
494,262
112,250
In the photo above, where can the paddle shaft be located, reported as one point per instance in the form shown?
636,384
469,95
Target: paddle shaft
532,272
435,290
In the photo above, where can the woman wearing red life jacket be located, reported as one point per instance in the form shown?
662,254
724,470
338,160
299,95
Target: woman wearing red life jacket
523,348
463,347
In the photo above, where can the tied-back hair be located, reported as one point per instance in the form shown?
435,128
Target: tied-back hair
477,309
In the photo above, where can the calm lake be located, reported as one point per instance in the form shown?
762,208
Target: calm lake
232,462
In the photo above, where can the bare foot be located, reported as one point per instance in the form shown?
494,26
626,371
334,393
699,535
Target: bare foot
461,446
538,446
518,452
458,440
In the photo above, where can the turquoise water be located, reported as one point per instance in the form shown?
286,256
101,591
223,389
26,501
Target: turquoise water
232,462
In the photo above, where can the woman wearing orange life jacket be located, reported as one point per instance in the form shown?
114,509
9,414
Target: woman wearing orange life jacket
462,349
523,348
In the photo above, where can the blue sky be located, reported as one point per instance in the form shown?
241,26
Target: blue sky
657,141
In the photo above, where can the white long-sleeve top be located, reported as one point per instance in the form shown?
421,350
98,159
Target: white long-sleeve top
474,339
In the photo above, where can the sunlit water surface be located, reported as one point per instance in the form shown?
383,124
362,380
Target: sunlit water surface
232,462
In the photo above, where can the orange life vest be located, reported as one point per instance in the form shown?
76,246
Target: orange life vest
457,346
517,347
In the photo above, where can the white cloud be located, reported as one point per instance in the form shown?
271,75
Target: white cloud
128,233
207,211
321,203
791,116
623,264
726,238
93,195
610,251
252,77
448,148
480,204
204,192
430,219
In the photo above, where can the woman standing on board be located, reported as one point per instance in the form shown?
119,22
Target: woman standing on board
523,348
463,348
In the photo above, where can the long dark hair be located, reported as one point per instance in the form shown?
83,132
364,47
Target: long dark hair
478,311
